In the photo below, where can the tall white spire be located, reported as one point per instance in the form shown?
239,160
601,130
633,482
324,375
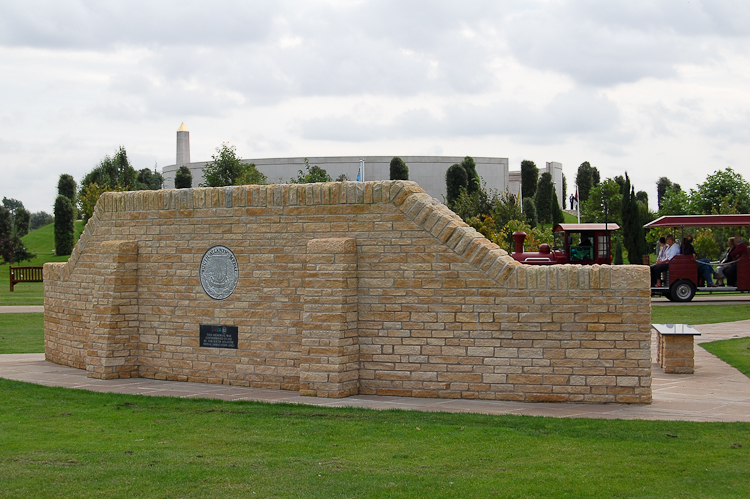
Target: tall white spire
183,145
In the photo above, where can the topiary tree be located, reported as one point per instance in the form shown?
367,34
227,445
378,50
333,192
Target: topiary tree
557,213
66,186
399,170
529,178
455,180
565,191
529,211
633,233
183,179
543,199
472,177
64,225
618,253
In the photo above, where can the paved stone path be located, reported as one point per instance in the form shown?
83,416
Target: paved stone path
716,392
22,309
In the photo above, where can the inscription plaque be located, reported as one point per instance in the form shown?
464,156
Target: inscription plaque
219,272
218,336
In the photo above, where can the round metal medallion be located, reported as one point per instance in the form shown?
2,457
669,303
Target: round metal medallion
219,272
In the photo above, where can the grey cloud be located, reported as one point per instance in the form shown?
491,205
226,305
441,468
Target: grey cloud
571,113
621,41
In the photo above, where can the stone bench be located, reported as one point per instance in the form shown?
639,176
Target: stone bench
675,353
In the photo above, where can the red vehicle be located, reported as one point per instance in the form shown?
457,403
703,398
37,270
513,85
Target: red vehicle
683,279
584,244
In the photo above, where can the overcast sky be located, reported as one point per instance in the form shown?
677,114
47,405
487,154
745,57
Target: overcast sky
657,88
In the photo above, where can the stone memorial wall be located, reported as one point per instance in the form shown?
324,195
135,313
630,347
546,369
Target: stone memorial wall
338,289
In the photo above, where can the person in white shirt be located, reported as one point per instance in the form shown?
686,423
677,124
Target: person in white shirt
661,265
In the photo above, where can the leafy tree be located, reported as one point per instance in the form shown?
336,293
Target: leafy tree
705,244
584,181
723,188
64,226
225,168
112,173
455,180
663,186
344,178
183,179
66,186
87,198
565,191
21,222
472,177
529,178
675,202
544,200
399,170
12,205
148,180
529,212
12,249
605,195
595,176
40,219
250,176
311,175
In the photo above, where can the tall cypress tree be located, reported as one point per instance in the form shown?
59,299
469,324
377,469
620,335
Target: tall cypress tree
472,177
529,178
633,234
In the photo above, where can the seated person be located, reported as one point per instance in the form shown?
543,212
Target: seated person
704,264
738,252
726,261
660,266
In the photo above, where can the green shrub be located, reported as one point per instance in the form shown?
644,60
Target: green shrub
399,170
183,179
66,186
455,180
64,225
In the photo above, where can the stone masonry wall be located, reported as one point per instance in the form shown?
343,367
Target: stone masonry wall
344,288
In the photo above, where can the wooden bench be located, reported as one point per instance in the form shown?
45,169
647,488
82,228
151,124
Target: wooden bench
25,274
675,353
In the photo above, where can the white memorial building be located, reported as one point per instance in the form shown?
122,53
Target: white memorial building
427,171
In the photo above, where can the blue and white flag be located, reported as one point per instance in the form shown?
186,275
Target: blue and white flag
361,172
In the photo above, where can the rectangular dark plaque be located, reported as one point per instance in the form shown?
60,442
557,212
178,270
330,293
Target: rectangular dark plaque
218,336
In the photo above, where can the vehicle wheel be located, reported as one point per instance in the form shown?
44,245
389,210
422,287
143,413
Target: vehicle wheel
682,291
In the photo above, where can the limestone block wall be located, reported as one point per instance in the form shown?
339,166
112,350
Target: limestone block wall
344,288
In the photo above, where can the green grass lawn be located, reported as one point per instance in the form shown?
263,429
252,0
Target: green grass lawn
21,333
735,352
57,442
42,243
699,314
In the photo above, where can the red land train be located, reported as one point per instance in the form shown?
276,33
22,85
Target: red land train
584,244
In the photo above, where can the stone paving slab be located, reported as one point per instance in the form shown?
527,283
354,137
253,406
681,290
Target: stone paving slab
21,309
716,392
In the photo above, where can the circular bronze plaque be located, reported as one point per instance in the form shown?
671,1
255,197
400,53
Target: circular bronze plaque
219,272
